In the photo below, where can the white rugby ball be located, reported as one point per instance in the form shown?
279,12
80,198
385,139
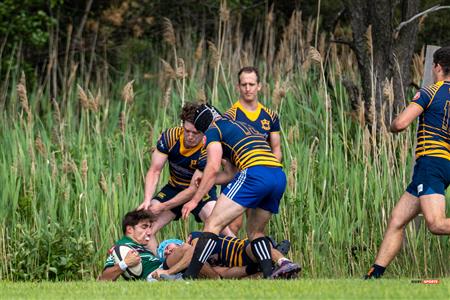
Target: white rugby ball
119,254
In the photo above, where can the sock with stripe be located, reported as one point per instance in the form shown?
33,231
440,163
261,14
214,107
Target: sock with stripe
262,251
205,246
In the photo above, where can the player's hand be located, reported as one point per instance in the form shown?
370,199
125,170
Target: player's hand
145,205
132,259
156,208
159,272
187,208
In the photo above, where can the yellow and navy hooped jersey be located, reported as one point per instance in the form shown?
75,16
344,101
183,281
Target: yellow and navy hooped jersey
433,135
242,144
263,119
182,161
229,251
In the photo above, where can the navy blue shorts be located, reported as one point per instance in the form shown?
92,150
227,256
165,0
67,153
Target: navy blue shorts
168,192
431,176
258,187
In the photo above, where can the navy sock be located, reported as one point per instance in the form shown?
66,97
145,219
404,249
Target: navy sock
376,271
204,248
262,251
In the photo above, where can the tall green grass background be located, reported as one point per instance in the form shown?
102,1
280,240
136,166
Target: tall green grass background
75,146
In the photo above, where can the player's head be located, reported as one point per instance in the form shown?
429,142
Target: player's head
137,225
165,248
204,116
441,61
192,136
248,84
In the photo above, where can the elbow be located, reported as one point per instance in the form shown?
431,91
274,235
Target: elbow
398,125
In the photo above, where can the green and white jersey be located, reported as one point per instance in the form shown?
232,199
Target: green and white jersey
149,261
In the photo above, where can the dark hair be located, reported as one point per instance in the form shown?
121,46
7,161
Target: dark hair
442,57
188,112
248,70
133,218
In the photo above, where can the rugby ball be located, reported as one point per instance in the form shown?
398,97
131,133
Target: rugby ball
119,253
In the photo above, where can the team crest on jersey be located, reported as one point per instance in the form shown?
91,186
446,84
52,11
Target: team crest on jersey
193,164
416,96
161,195
265,124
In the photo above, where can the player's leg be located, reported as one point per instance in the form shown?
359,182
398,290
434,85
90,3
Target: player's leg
236,224
406,209
161,220
433,209
206,211
260,244
223,213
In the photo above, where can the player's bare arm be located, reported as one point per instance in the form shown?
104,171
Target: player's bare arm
112,273
275,144
406,117
151,179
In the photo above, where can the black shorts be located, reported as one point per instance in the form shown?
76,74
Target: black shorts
168,192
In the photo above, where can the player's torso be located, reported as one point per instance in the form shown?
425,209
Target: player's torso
244,146
232,252
433,135
149,261
182,161
261,119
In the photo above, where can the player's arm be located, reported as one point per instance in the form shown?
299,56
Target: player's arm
214,157
152,177
227,174
406,117
113,272
275,144
234,272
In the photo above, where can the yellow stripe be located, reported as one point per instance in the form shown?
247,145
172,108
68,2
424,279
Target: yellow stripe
437,143
258,154
436,151
434,155
229,239
432,134
435,89
435,128
257,162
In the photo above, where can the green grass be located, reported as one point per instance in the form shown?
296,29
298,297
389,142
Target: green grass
226,289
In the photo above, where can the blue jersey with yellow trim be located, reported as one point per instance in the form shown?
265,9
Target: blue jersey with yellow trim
263,119
229,251
242,144
182,161
433,135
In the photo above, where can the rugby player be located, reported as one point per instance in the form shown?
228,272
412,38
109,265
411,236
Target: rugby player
249,110
231,258
136,227
258,186
426,192
182,148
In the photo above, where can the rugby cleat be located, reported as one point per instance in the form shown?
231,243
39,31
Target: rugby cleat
287,270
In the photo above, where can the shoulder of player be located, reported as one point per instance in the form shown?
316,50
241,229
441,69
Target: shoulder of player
231,113
172,135
273,115
432,89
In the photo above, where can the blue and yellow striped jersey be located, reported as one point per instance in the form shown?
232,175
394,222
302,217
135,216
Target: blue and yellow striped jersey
433,135
182,161
263,119
242,144
229,251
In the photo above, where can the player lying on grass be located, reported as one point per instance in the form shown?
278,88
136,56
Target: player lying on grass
230,258
136,226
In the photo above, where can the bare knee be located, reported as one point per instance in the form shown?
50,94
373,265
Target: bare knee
396,222
255,234
436,227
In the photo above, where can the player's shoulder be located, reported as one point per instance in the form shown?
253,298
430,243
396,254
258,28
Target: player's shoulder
231,113
432,89
273,114
172,135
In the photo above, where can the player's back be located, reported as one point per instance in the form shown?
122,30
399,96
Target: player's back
242,144
433,135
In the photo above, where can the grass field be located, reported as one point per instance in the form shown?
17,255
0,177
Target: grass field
226,289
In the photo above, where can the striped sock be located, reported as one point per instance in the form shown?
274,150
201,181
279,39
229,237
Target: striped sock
261,249
204,248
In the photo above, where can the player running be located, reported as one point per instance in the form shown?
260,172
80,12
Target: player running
426,192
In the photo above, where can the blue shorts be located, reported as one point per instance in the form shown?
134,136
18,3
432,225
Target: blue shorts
168,192
431,176
258,187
